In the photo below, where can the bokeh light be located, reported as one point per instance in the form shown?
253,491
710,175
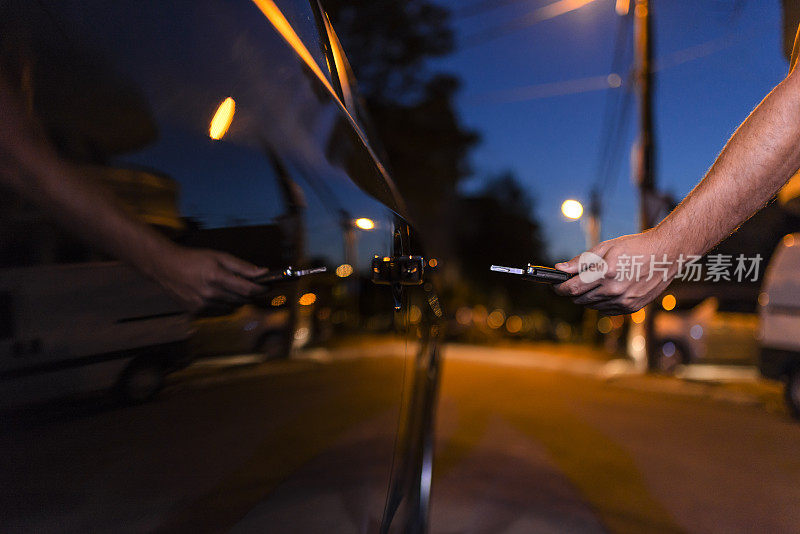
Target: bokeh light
364,223
514,324
222,119
638,317
572,209
496,319
344,270
308,299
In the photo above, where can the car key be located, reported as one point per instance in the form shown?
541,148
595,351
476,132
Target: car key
287,274
535,273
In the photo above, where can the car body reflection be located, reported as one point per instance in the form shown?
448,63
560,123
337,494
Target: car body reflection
308,408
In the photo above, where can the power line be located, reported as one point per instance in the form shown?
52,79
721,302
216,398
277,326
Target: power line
616,111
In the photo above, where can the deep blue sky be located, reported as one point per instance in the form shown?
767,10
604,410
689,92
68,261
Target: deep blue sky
552,143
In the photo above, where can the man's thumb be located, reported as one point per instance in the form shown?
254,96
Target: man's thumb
570,266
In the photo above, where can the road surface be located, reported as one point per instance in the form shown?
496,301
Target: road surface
533,442
530,439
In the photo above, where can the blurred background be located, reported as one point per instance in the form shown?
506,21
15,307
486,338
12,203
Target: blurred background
518,106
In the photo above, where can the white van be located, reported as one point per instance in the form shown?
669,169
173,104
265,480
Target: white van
73,328
780,319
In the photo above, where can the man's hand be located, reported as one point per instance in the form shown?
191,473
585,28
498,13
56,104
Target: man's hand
206,278
615,294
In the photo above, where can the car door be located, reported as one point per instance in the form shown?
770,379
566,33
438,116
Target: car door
304,410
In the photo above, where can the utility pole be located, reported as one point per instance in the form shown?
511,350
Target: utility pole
645,172
592,227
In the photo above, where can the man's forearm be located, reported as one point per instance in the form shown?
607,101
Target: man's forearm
760,157
31,167
93,214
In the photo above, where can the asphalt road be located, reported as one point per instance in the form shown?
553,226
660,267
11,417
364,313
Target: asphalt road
533,442
530,439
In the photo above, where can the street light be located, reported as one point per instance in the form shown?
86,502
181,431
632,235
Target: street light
572,209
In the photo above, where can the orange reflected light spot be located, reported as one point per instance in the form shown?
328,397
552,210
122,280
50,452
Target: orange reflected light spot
763,298
222,119
280,300
496,319
344,270
638,317
308,299
623,6
464,316
604,325
668,302
433,262
563,331
788,240
514,324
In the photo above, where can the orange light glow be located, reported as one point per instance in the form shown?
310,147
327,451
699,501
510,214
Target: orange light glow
638,317
623,6
222,119
788,240
604,325
558,8
496,319
433,262
276,17
308,299
514,324
668,302
280,300
344,270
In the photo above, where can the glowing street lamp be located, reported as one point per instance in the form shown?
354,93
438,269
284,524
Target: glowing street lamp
572,209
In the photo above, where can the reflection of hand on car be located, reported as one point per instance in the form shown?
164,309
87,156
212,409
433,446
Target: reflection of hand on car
30,166
614,293
205,278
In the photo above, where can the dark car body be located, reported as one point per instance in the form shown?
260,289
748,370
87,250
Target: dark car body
308,410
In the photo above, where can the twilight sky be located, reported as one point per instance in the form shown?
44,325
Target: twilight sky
716,65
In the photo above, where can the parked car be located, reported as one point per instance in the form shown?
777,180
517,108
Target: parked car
230,125
708,331
779,357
